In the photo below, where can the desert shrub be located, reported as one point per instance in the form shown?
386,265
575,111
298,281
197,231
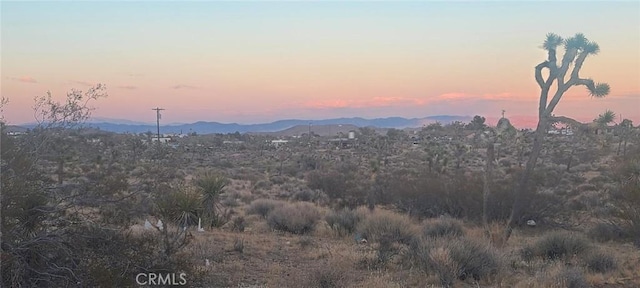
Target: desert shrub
309,195
603,232
627,194
385,250
326,276
459,195
262,207
446,227
343,221
559,244
443,265
238,224
572,278
341,184
305,241
600,262
278,180
527,253
297,218
238,245
473,259
386,224
262,185
452,259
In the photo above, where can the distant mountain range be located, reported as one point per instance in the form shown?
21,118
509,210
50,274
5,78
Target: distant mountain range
201,127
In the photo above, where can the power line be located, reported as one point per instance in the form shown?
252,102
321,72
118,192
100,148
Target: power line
158,120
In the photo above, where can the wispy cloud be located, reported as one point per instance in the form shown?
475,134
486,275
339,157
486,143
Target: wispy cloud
182,86
83,83
128,87
24,79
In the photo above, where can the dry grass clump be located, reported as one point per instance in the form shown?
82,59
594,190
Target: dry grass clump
452,259
330,274
445,227
296,218
557,245
600,262
379,224
262,207
571,277
603,232
344,221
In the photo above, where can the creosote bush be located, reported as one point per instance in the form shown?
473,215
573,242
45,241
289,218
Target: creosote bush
386,224
262,207
296,218
343,221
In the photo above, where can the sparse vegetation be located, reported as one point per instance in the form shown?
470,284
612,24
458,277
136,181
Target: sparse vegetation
396,208
297,218
560,244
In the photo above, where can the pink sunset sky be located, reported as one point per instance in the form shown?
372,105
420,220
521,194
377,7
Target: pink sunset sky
250,62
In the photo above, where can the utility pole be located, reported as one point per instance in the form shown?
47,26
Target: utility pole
158,120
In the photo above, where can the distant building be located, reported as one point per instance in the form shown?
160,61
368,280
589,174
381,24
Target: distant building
279,142
161,139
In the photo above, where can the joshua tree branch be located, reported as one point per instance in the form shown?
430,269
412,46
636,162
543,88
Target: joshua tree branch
578,65
586,82
554,101
539,78
567,59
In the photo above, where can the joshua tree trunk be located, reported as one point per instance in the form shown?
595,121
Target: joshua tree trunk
518,203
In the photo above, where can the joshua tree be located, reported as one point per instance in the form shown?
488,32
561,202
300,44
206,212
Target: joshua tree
624,131
577,48
602,122
605,118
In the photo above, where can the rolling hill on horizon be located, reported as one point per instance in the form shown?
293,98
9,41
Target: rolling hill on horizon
203,127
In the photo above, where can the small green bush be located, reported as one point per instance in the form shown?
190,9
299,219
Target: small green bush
262,207
446,227
297,218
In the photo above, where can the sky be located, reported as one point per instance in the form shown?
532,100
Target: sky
251,62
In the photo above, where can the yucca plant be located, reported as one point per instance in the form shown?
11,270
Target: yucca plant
181,208
210,186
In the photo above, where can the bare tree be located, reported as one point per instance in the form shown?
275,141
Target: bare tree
565,76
